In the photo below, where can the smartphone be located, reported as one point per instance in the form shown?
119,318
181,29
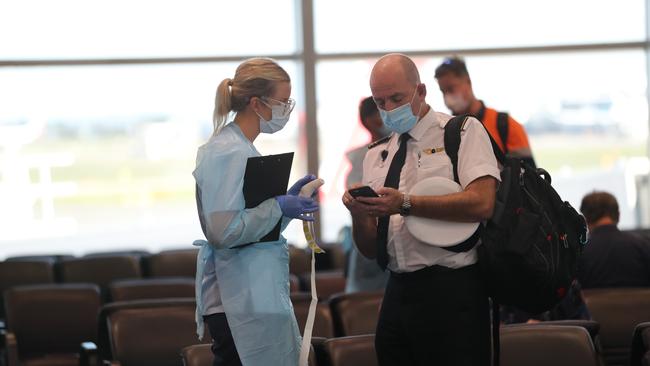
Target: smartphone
364,191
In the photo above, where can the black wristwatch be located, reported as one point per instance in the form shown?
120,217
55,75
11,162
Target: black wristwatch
405,209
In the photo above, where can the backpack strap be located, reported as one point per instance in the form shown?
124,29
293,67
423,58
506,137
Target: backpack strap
452,141
452,138
452,144
502,127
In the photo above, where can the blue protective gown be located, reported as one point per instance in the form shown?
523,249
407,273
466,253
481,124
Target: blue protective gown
250,283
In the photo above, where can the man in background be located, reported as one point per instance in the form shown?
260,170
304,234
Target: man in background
363,274
456,87
611,258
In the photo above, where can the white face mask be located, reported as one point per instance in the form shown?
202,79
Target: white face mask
280,114
456,103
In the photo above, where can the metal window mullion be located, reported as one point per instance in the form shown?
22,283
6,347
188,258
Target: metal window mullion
643,207
647,74
310,132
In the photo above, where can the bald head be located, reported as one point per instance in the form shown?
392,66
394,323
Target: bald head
395,81
395,66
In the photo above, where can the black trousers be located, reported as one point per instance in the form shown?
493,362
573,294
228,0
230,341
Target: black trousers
434,316
223,345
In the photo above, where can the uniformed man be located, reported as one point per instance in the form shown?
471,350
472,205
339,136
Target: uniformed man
435,310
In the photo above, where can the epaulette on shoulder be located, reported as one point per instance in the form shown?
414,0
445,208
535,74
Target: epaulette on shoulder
382,140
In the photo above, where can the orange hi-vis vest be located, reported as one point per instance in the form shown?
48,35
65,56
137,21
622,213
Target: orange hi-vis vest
516,135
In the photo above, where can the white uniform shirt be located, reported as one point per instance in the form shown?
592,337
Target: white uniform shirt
475,159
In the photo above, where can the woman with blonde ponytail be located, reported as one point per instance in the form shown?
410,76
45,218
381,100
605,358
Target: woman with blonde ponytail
221,104
242,284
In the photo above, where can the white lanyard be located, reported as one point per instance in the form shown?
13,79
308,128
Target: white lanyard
308,229
309,325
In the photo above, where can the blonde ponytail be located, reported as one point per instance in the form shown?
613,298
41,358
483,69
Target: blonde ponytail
222,105
255,77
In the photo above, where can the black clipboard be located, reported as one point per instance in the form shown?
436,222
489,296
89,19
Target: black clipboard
267,177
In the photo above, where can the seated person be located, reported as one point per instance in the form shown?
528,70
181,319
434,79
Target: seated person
611,258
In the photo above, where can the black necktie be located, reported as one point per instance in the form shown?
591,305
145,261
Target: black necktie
392,181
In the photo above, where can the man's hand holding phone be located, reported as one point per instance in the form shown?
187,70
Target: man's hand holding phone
364,200
351,202
363,191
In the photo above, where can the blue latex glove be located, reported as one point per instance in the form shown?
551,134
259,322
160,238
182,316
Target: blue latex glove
296,207
295,188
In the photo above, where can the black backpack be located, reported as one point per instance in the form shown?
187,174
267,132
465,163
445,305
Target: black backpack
531,245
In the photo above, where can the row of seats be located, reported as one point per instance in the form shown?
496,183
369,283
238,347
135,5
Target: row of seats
48,322
120,275
530,345
153,332
615,314
75,329
342,315
102,270
98,268
618,311
328,284
182,262
46,325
